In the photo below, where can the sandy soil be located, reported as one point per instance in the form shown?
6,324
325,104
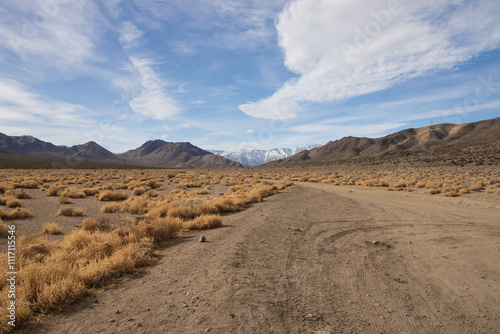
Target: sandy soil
362,261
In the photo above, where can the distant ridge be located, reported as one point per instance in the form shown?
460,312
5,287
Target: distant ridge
253,158
458,144
157,153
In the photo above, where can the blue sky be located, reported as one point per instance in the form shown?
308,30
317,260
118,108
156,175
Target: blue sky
237,75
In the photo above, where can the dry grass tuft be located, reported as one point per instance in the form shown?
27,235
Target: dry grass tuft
160,229
4,229
110,195
29,184
464,191
450,193
54,190
11,202
73,193
204,222
70,212
153,184
93,225
17,213
139,191
91,191
65,200
21,194
435,191
52,229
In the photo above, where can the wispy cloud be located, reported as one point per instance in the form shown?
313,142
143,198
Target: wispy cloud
60,35
152,98
22,103
23,111
130,35
347,130
230,24
340,51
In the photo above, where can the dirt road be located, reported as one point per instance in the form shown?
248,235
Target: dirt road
363,261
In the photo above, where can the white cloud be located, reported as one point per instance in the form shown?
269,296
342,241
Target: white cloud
152,98
130,35
24,112
348,48
59,35
18,103
234,24
347,130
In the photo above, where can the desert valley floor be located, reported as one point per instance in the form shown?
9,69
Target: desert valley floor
314,258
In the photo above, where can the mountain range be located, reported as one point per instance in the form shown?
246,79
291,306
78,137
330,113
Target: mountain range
157,153
468,143
477,142
252,158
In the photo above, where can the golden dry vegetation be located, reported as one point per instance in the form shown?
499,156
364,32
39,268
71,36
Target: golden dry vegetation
143,209
448,181
153,207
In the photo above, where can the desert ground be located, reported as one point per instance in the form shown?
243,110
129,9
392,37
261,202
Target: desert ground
333,253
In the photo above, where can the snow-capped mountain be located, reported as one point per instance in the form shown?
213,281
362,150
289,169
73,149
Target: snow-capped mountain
252,158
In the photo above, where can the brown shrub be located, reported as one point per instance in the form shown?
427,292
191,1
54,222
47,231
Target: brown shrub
464,190
4,229
160,229
152,193
95,224
112,208
204,222
29,184
54,190
91,191
21,194
139,191
52,229
430,185
70,212
72,193
435,191
450,193
65,200
17,213
110,195
13,203
153,184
